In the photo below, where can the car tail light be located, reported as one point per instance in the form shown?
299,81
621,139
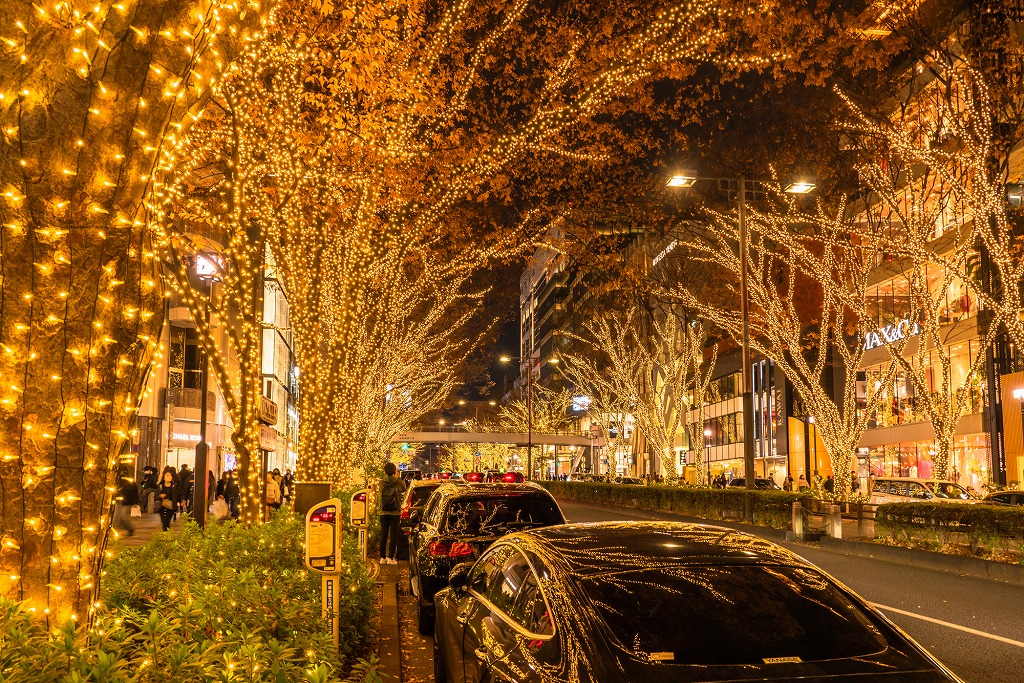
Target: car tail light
450,549
407,509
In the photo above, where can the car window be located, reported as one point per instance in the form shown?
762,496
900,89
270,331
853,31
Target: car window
419,495
478,514
529,609
696,614
504,585
488,565
433,510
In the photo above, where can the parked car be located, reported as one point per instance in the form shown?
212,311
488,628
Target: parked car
906,489
1004,498
632,481
416,497
660,602
760,484
460,523
410,475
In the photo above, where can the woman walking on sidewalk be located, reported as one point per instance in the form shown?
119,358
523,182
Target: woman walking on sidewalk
168,494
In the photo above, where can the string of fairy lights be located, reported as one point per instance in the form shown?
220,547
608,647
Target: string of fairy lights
80,320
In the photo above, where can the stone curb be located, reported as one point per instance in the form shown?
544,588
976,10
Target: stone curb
390,648
951,564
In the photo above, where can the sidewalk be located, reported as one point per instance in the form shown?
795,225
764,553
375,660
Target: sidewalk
146,527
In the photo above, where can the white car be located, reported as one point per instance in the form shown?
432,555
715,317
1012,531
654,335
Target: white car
908,490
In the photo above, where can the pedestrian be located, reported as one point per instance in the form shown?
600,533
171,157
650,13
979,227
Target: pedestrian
392,488
801,484
829,484
273,495
286,490
169,495
185,481
232,494
127,498
149,480
854,482
787,485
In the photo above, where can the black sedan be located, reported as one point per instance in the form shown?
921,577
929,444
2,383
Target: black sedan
460,523
659,602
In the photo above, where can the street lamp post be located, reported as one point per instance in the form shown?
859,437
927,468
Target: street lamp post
707,453
685,180
533,361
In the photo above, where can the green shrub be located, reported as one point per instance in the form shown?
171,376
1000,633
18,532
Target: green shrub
985,529
228,604
770,508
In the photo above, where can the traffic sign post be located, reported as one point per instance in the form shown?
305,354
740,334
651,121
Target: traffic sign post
323,554
359,514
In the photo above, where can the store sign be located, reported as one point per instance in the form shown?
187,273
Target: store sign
891,333
268,438
268,411
664,252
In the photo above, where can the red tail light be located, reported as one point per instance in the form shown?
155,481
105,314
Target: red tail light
450,549
407,509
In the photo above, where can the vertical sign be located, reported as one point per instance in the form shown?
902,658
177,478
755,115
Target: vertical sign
323,554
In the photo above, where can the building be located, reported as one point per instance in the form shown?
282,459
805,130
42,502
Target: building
170,414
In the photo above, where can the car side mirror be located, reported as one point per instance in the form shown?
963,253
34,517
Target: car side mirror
458,578
415,517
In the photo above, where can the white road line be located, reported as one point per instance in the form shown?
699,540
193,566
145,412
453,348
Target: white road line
958,627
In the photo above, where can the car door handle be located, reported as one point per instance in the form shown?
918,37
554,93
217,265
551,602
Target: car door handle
481,653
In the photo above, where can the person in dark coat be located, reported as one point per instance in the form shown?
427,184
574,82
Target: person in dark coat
392,490
232,494
127,497
168,495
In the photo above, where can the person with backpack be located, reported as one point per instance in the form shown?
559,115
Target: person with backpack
392,489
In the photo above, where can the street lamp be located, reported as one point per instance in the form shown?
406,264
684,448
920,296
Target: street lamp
798,186
534,361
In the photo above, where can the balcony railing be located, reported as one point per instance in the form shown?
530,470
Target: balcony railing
181,397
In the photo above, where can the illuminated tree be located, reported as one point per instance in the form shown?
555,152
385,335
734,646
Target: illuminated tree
925,166
811,312
405,161
89,96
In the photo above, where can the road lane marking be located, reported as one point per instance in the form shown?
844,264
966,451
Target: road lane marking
958,627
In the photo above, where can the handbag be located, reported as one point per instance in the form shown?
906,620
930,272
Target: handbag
136,511
166,503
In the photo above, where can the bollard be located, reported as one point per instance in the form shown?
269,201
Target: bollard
798,520
837,522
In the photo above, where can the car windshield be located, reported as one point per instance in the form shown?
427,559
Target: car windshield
730,615
481,514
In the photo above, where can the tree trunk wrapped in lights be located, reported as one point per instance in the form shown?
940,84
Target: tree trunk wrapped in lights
808,283
89,97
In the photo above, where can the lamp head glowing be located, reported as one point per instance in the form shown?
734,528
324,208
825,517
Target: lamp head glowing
681,180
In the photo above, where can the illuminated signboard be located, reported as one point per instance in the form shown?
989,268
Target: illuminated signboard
890,333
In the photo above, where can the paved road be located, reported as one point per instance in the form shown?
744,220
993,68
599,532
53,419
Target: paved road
933,607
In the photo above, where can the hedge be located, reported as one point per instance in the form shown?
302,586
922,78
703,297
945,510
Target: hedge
770,508
231,603
985,529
